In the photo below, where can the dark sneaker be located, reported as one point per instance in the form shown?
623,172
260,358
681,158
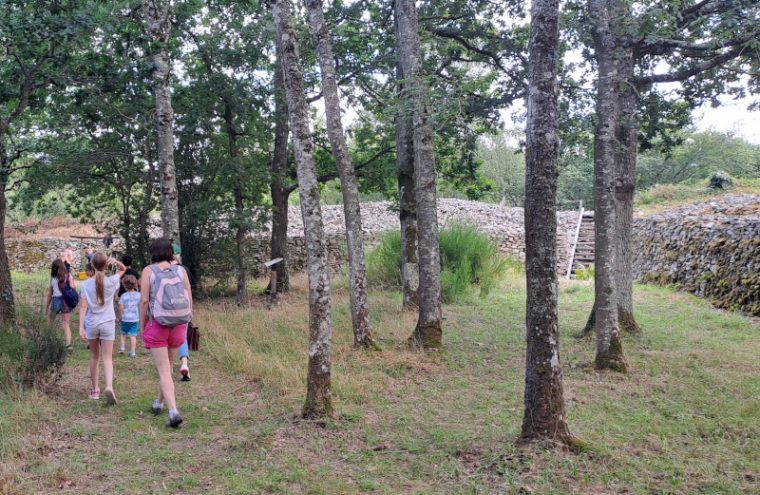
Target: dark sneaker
174,420
157,408
185,372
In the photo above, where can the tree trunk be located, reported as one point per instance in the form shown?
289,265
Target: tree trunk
410,276
544,415
428,332
609,349
318,398
158,25
627,136
7,301
350,189
240,220
278,244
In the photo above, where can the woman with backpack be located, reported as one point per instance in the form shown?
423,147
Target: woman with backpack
97,321
55,302
165,310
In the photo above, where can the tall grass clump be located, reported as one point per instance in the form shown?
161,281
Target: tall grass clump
469,259
31,353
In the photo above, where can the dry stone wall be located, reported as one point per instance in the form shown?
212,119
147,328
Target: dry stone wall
34,255
711,249
504,224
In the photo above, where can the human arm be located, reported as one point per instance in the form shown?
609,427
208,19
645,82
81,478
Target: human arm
120,312
120,267
82,316
48,299
144,297
187,286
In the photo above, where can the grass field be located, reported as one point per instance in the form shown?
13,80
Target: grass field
686,419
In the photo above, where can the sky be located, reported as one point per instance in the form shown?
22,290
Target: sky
731,116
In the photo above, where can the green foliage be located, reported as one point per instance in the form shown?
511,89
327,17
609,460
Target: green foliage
504,165
693,190
31,353
384,262
585,273
468,258
700,155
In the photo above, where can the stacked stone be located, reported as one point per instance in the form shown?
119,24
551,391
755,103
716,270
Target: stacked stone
711,249
34,255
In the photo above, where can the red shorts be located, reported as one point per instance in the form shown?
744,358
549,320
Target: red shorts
156,335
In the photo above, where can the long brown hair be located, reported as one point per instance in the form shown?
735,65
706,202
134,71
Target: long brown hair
99,262
58,270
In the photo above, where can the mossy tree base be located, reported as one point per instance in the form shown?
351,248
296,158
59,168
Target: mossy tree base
559,437
626,320
368,344
317,408
613,359
590,326
628,323
427,336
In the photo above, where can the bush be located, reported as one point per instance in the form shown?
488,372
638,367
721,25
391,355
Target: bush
31,354
468,258
720,180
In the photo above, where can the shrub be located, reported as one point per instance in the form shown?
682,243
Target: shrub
720,180
31,353
587,273
468,258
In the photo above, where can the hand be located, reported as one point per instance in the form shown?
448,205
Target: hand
82,334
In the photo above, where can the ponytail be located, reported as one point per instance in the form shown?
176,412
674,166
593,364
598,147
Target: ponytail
100,287
99,262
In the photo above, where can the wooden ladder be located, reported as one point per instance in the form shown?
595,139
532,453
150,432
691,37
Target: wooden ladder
582,251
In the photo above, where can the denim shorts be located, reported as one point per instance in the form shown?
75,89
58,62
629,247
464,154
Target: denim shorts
129,328
58,306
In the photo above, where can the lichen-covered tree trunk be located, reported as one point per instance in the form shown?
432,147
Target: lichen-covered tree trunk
410,277
278,245
318,398
627,136
609,349
7,301
428,332
158,25
357,272
544,402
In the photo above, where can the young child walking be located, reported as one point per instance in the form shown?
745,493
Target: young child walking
55,303
97,321
129,313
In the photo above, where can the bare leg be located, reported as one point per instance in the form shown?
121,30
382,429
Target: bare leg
94,362
133,344
107,351
65,319
121,342
162,360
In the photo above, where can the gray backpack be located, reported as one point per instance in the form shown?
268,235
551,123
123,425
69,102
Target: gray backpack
171,304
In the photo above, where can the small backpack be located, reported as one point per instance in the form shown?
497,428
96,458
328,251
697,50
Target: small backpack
70,295
171,306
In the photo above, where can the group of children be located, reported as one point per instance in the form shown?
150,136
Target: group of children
103,300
